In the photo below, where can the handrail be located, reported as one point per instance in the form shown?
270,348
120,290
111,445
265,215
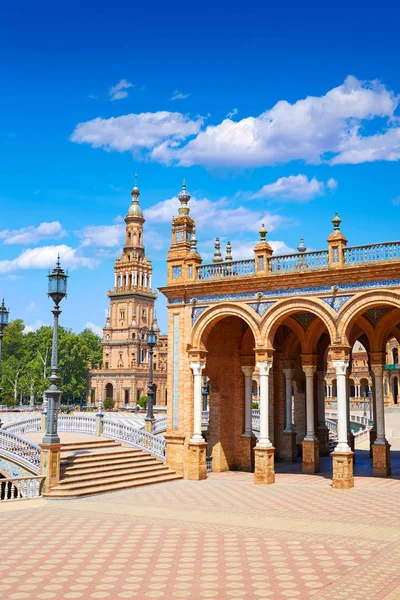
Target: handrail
160,425
137,437
31,425
304,260
15,446
20,488
371,252
233,268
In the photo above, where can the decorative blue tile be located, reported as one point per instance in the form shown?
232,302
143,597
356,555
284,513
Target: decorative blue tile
261,263
175,373
304,318
196,312
374,314
179,236
260,307
322,289
177,272
336,302
176,301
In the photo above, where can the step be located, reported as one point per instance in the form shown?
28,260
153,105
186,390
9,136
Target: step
94,467
89,445
99,456
117,473
113,487
105,479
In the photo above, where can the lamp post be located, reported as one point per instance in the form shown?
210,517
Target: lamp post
149,420
204,392
57,290
3,324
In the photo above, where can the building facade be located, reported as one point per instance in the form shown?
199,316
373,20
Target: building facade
281,318
124,372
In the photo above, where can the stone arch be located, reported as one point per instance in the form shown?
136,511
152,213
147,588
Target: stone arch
212,315
356,306
109,390
284,308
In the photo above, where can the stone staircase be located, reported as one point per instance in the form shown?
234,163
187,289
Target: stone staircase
98,466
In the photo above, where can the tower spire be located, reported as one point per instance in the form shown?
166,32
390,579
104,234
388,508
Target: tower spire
184,198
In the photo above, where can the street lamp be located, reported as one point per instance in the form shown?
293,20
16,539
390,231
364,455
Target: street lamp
3,324
151,341
57,290
205,390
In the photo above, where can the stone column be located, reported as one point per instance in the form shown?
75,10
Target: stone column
248,382
264,451
342,457
380,448
195,463
322,430
49,466
245,446
350,434
310,443
289,435
197,368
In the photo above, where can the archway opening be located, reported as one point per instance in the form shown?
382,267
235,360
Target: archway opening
109,390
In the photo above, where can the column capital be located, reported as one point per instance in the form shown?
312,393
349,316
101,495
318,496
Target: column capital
309,370
340,366
377,370
288,373
248,370
197,367
264,367
340,352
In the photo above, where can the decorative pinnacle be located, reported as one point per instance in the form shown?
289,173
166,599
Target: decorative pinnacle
263,233
228,255
135,191
193,242
217,253
301,247
184,198
336,222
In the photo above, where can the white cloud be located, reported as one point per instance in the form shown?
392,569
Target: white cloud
95,328
32,234
216,215
118,92
177,95
307,130
34,326
396,201
232,113
46,257
92,97
358,149
102,236
135,132
297,188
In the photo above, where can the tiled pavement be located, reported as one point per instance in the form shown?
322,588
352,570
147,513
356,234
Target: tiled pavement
223,538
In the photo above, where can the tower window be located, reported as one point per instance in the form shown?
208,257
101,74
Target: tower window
122,315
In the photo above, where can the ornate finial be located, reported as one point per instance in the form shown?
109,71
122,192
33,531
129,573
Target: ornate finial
336,222
136,176
135,191
301,247
217,252
183,198
228,255
263,233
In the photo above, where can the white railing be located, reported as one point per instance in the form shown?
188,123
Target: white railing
255,421
17,488
31,425
293,262
372,253
20,408
160,425
234,268
77,423
331,425
137,437
14,446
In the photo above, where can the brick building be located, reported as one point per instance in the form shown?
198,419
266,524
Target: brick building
279,318
124,372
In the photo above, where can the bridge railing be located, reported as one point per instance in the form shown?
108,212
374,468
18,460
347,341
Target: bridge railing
31,425
233,268
137,437
14,446
18,488
160,425
371,253
294,262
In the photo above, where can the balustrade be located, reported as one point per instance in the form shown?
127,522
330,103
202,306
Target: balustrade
31,425
371,253
237,268
294,262
17,488
137,437
77,423
16,446
160,425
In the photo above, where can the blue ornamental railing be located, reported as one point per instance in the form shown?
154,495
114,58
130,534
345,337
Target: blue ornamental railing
237,268
371,253
292,262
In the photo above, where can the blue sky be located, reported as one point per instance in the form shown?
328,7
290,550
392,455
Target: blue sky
278,113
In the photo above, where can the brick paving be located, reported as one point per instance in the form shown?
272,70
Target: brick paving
223,538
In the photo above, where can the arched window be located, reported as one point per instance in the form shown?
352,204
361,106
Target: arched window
133,336
107,337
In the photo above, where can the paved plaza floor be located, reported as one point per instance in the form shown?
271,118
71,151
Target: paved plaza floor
223,538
